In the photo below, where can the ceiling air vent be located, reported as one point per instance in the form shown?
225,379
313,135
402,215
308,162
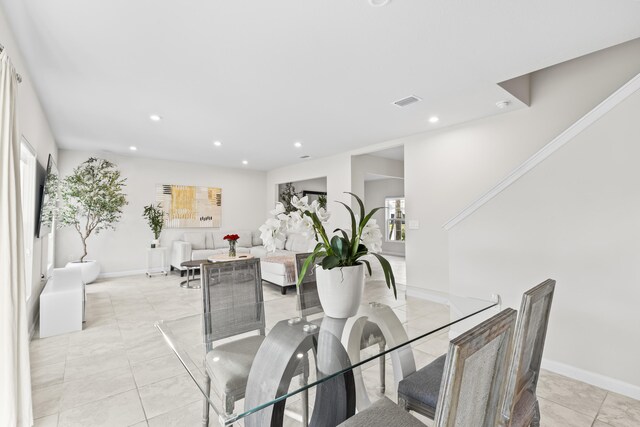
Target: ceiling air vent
305,157
406,101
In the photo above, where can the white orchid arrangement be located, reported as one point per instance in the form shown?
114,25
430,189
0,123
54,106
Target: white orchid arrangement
342,250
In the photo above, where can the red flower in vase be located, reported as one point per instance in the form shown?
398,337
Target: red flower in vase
232,237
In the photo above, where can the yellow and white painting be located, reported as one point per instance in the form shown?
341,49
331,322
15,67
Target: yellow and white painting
190,206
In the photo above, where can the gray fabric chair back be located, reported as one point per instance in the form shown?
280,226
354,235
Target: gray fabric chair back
307,291
232,299
531,332
475,374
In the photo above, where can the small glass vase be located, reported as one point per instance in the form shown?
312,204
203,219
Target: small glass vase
232,248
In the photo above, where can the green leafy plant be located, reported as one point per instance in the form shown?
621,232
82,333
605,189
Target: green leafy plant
286,196
347,249
92,199
155,217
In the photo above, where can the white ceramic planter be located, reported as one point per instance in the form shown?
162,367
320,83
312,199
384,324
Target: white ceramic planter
340,290
89,269
155,243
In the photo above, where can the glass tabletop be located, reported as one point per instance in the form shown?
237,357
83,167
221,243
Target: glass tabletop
259,355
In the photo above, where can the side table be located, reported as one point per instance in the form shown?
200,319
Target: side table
191,267
154,270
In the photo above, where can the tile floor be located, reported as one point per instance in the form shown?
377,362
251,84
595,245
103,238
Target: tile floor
119,372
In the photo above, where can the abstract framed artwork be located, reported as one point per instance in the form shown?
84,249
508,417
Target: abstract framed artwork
188,206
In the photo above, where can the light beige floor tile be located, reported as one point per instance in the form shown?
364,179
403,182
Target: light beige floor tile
46,400
46,375
172,393
620,411
148,348
600,424
90,365
96,387
120,410
48,421
48,356
554,415
187,416
158,369
576,395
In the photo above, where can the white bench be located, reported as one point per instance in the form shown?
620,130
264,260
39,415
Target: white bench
62,303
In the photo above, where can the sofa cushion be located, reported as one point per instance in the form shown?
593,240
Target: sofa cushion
256,240
197,240
297,243
245,238
209,240
218,240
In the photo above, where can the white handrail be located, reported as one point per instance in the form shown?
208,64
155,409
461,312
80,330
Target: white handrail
571,132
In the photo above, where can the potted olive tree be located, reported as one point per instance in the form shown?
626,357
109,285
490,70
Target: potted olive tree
155,217
92,201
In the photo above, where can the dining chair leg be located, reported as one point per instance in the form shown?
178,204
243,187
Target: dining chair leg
403,404
205,403
535,422
382,387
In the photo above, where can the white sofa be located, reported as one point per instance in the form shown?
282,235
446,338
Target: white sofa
273,270
198,245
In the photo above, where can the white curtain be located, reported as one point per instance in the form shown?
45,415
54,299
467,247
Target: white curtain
15,376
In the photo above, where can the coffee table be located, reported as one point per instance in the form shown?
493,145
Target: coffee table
191,267
225,257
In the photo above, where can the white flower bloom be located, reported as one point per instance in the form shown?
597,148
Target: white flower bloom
278,210
372,236
300,204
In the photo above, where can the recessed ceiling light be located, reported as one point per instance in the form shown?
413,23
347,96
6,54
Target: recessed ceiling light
217,143
155,118
434,119
132,148
297,144
503,104
379,3
245,162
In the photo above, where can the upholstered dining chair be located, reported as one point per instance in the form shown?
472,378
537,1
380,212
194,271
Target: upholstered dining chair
309,304
472,390
232,305
232,300
419,391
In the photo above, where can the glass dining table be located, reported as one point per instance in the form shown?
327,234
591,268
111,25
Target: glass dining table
310,367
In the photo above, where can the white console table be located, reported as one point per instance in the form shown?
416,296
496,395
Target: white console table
62,303
154,269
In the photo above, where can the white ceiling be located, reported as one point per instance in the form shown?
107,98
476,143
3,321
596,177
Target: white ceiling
259,75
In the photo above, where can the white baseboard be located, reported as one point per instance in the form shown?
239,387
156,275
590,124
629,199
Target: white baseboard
429,295
598,380
122,274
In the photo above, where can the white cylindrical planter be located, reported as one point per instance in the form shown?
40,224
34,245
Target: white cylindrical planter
340,290
90,269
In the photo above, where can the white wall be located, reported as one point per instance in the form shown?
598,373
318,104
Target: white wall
364,164
447,170
35,128
574,218
122,250
375,193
